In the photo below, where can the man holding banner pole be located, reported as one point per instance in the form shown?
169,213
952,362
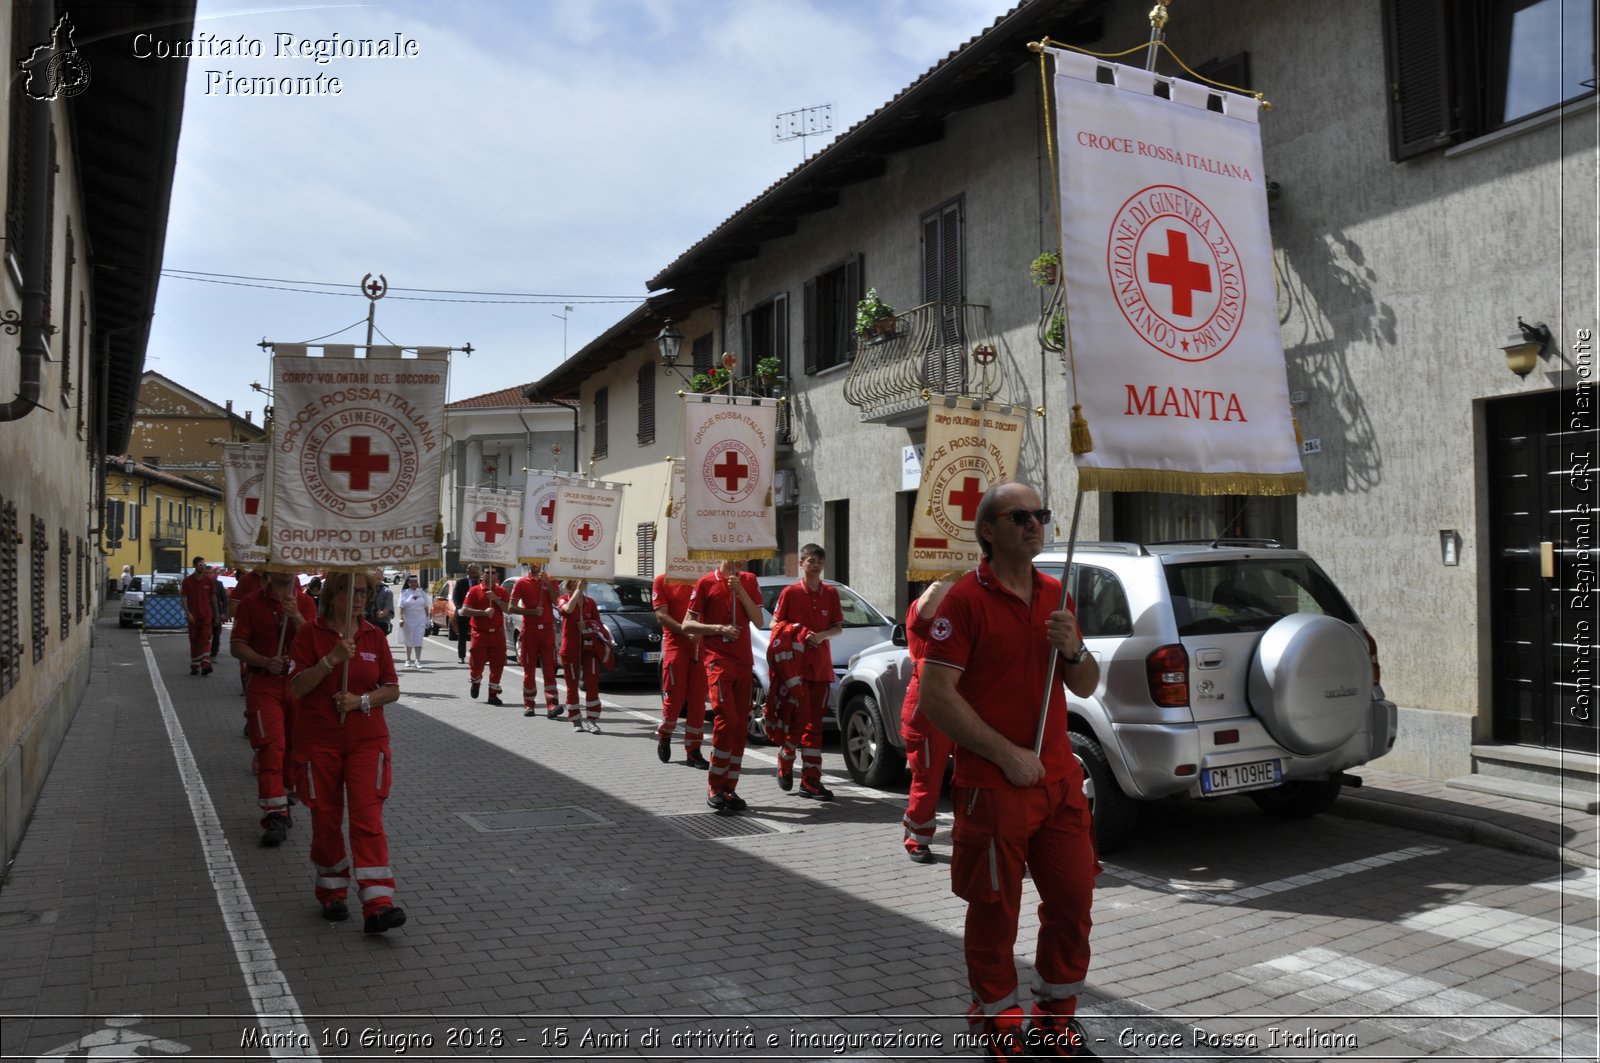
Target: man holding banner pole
485,605
533,597
984,676
722,607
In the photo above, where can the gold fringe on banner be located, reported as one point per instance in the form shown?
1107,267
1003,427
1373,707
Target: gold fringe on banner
1174,481
731,555
919,575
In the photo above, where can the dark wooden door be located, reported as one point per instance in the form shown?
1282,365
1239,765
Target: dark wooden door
1542,561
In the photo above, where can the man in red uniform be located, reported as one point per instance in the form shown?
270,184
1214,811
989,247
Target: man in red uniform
248,583
199,601
983,683
722,607
485,606
264,625
928,749
813,607
533,597
683,674
585,652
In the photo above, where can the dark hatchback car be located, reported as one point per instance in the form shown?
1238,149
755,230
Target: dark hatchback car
624,604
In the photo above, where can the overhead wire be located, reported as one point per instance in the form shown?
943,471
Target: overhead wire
428,295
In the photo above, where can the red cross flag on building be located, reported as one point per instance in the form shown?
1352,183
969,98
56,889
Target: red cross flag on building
244,480
1172,321
971,446
490,526
583,541
730,450
539,514
354,458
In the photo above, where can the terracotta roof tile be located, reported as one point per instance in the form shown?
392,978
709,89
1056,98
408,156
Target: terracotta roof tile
511,396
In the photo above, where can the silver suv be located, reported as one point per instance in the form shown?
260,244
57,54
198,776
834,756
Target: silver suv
1227,666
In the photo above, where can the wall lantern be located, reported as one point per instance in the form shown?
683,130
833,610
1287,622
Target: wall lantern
1526,346
670,343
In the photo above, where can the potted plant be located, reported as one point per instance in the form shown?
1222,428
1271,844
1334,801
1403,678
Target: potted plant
714,380
768,369
1044,269
1055,335
874,315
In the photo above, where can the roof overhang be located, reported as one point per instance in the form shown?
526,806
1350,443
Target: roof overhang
635,331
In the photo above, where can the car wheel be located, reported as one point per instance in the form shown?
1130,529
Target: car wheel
756,730
1301,799
1115,813
864,740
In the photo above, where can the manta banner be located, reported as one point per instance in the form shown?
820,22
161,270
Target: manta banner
1175,352
354,459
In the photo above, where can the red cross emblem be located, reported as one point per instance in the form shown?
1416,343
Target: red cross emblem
586,533
360,463
967,498
490,527
252,506
730,471
548,511
1179,272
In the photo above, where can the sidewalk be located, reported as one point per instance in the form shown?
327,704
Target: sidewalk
557,883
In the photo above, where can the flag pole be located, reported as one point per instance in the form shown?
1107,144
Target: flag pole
1158,25
1066,581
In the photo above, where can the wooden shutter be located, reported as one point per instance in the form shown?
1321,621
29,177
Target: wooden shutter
602,430
855,291
780,333
702,353
646,547
811,338
1423,103
647,403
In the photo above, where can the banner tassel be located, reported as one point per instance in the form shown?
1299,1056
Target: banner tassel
669,509
1082,442
769,496
1299,437
262,538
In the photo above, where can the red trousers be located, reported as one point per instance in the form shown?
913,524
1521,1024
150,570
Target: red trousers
927,755
268,714
999,833
683,692
199,641
802,729
490,650
591,684
537,651
358,776
730,699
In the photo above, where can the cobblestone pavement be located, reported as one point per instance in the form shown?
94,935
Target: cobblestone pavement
570,897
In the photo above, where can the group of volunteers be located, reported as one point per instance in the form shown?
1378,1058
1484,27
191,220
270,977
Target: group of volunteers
985,648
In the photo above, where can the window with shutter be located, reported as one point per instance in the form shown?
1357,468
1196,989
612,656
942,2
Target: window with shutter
766,335
38,547
602,431
64,576
646,545
647,403
10,599
1458,69
944,283
701,353
829,309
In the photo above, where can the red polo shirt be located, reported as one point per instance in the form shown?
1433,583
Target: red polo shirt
674,598
199,595
998,642
317,721
715,603
248,583
532,592
493,624
258,622
816,610
912,722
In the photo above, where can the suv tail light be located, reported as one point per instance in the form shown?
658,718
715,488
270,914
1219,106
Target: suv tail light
1167,670
1372,648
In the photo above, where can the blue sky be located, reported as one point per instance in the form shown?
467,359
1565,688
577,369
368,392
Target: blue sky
569,148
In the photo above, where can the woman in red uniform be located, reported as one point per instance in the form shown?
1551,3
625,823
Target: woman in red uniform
582,657
341,749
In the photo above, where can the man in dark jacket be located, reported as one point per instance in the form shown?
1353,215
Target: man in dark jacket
458,595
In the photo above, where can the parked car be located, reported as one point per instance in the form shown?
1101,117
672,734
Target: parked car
1226,667
863,626
131,611
443,615
625,610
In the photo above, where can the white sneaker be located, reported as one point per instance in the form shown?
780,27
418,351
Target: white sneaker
592,726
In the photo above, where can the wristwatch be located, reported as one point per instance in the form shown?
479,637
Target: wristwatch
366,704
1081,656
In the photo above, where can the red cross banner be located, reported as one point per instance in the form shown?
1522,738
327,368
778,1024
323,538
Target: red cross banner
354,458
971,446
583,539
731,448
1172,320
539,514
490,526
679,568
244,482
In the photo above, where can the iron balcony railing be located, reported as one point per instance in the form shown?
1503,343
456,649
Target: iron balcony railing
935,349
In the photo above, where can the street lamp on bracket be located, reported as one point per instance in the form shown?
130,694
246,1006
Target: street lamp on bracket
669,341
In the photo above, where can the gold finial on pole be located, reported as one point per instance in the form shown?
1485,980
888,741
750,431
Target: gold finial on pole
1158,27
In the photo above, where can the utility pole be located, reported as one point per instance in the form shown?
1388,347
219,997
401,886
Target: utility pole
565,310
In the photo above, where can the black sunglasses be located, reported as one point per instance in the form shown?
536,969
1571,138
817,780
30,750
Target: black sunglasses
1020,517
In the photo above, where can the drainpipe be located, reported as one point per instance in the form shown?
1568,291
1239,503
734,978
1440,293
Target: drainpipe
33,348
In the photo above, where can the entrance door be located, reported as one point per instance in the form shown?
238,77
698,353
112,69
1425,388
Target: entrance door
1542,496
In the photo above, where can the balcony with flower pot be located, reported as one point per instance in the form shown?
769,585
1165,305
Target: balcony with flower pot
933,349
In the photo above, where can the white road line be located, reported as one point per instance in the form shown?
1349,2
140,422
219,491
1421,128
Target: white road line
1228,895
258,963
1505,931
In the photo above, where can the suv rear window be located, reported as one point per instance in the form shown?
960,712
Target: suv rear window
1217,597
1097,595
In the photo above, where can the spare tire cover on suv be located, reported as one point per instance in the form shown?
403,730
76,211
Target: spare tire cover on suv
1311,682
